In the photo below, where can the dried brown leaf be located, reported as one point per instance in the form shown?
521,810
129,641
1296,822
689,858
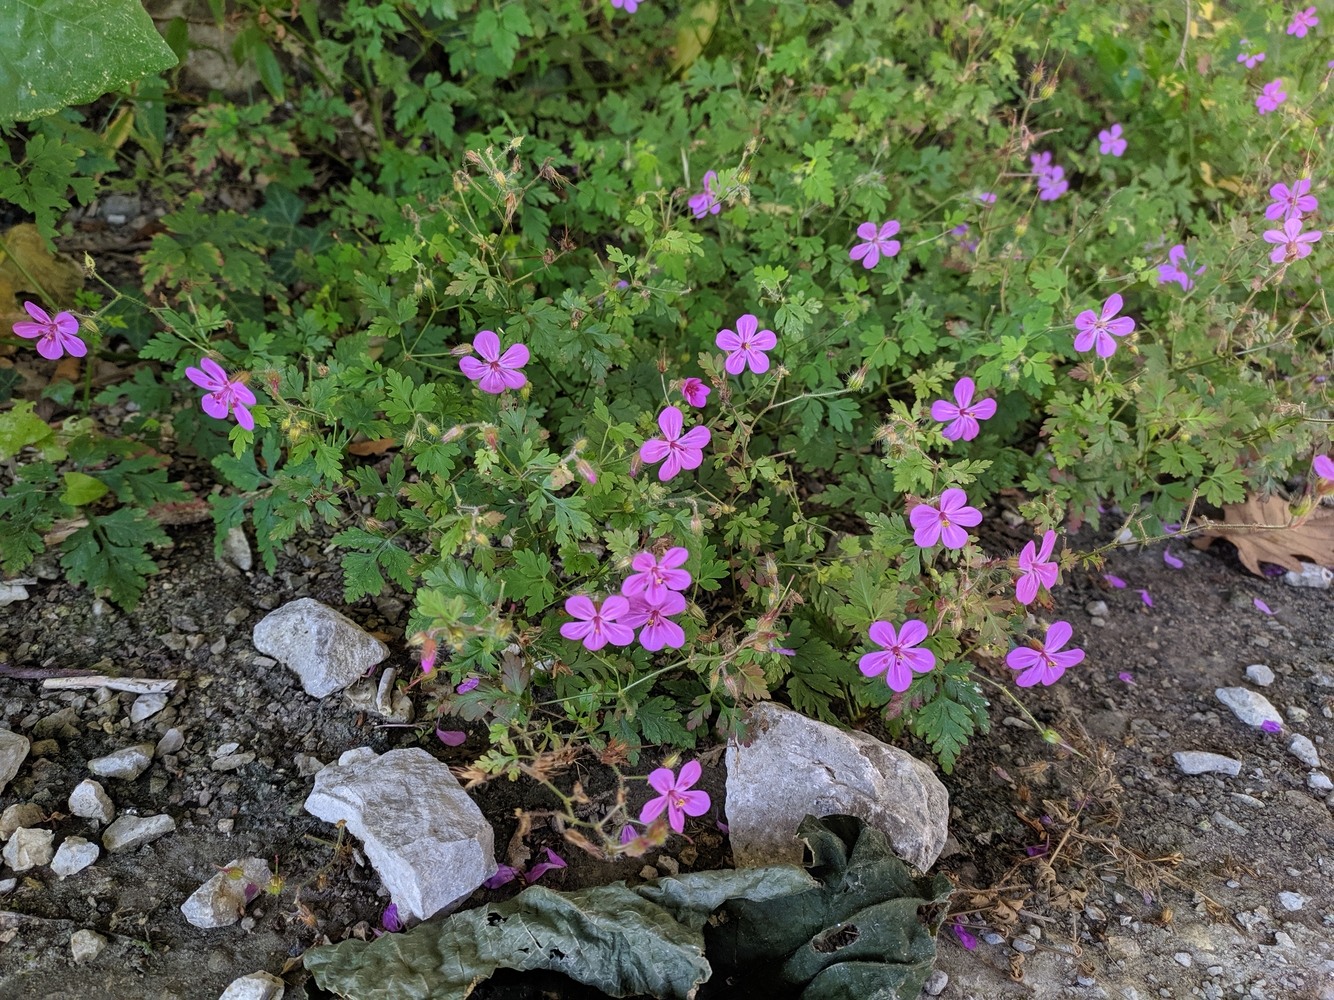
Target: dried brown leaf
1264,530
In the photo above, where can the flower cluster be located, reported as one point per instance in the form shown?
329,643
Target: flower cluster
649,597
1051,178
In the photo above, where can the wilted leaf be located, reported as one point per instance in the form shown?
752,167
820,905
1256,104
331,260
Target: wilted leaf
55,53
27,266
1283,542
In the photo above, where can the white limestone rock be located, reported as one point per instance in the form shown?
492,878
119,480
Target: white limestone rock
422,832
13,751
795,766
1249,706
73,856
221,900
125,765
1200,762
89,800
130,832
27,848
86,945
17,815
325,649
256,986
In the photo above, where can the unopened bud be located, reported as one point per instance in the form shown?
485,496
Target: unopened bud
453,434
636,464
858,378
491,436
461,350
89,267
584,469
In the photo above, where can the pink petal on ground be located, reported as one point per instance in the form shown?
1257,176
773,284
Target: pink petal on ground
1262,606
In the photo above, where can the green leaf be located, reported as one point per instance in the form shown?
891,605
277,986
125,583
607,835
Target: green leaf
56,53
82,489
109,555
21,428
531,581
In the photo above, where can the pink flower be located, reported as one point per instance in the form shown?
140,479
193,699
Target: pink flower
876,243
496,372
1303,21
1110,142
706,202
963,415
944,522
504,874
1098,330
654,578
1045,663
1042,165
222,395
1053,185
986,197
676,796
629,6
389,919
467,684
595,625
55,337
898,660
1271,96
553,860
1324,467
746,346
1036,569
1290,242
1251,59
1291,202
695,392
675,450
1176,268
656,628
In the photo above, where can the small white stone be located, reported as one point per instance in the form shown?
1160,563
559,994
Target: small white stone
73,856
17,815
221,900
130,832
13,751
1183,958
126,765
1198,762
256,986
86,945
1097,609
236,549
1291,901
28,848
226,750
1319,782
1258,673
1251,707
172,740
89,800
146,706
1304,750
936,983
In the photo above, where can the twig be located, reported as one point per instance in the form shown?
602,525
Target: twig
134,685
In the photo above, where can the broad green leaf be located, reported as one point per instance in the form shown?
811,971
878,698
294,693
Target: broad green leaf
55,53
82,489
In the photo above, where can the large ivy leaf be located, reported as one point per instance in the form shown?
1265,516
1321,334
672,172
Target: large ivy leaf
55,53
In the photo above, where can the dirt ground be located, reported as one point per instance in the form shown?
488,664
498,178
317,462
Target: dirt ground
1139,880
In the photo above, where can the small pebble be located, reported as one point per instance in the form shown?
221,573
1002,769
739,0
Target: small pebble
1199,762
1304,750
936,983
1291,901
1258,673
1319,782
1098,609
1023,944
1183,958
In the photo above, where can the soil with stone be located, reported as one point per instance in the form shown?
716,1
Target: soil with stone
1094,868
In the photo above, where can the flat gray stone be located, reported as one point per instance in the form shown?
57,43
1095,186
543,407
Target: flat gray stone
422,832
1249,706
326,650
1291,901
17,815
89,800
86,945
256,986
73,856
172,740
1261,675
796,766
130,832
221,900
125,765
146,706
27,848
1304,750
1199,762
13,751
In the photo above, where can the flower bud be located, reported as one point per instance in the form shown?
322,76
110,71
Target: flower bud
858,378
584,469
453,434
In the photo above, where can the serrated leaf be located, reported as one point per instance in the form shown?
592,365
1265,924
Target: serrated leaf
57,53
109,555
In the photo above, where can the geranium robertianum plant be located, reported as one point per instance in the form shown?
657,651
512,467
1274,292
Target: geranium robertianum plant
583,288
